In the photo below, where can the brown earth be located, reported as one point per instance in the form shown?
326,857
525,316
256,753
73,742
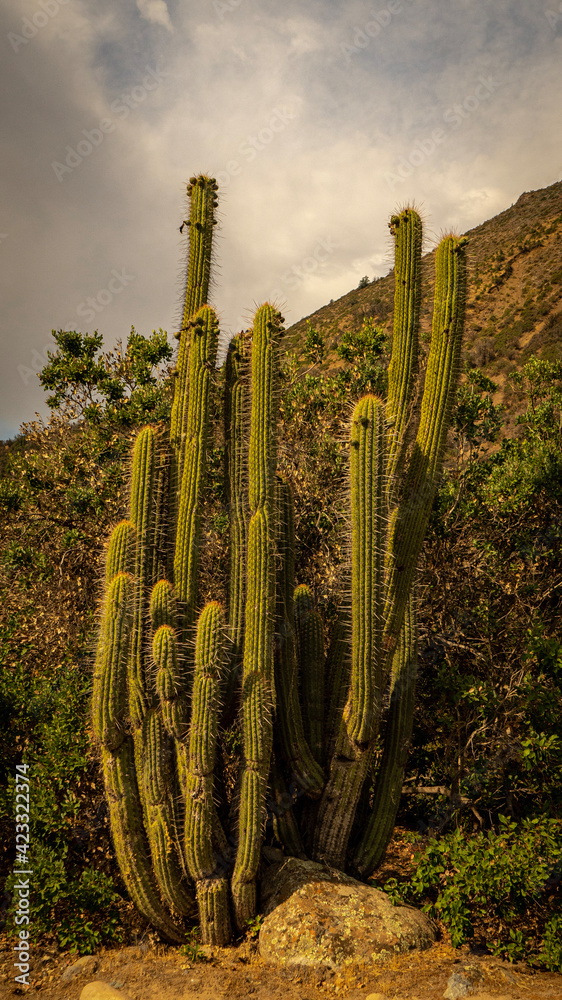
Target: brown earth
238,972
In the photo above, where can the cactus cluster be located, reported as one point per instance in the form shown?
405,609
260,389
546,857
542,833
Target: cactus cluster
167,672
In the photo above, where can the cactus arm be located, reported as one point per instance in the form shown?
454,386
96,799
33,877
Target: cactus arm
417,494
258,687
293,746
398,733
310,645
338,672
109,702
157,784
235,487
202,194
186,557
406,229
142,507
368,534
129,839
120,557
212,886
285,826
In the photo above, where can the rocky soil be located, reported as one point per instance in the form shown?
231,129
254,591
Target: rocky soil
155,972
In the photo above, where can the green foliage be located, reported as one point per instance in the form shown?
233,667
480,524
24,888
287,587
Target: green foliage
75,904
314,346
477,419
550,955
542,383
192,948
486,882
254,926
76,908
364,351
120,386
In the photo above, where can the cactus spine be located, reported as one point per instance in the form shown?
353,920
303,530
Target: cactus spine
163,674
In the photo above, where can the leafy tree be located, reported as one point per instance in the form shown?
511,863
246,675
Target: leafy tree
477,419
122,387
542,382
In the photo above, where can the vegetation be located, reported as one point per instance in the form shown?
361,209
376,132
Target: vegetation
482,785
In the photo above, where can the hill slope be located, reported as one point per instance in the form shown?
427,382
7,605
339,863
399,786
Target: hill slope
514,307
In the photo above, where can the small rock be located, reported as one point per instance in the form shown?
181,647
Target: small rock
457,986
102,991
506,974
375,996
85,966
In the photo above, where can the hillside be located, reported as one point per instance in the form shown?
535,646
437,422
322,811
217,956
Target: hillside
514,307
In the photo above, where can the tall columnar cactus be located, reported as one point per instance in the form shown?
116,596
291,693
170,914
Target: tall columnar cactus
211,882
164,672
410,497
258,685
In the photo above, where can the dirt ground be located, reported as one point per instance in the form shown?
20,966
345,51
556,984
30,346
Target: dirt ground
153,972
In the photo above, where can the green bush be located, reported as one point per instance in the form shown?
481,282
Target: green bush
489,881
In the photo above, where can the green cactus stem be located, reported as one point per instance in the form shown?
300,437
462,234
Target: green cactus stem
173,703
109,703
406,530
143,482
368,535
203,201
338,673
235,405
397,736
410,521
310,645
130,842
120,557
212,885
186,557
285,826
293,747
258,687
160,818
362,713
406,229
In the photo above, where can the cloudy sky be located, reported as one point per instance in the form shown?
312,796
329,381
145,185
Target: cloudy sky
317,118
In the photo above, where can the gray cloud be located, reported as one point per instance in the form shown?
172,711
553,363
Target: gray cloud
317,119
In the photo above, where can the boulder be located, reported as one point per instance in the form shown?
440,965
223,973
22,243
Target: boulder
318,917
85,966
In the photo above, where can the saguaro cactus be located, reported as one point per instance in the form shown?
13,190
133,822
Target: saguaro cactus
164,672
